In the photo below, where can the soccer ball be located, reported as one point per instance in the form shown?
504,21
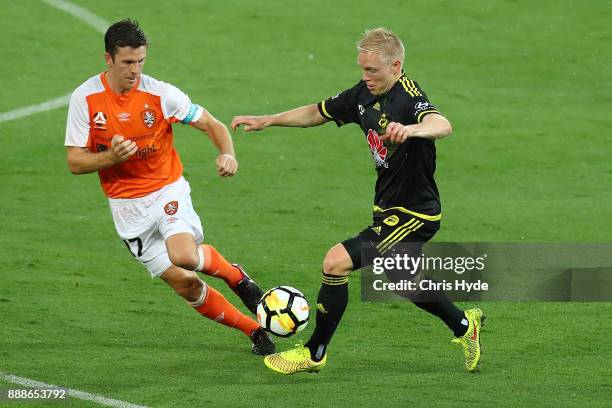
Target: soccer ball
283,311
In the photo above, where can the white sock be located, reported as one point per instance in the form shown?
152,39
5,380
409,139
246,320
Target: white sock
201,259
198,302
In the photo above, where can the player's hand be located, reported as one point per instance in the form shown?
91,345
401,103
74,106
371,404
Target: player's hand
227,165
397,133
122,149
250,122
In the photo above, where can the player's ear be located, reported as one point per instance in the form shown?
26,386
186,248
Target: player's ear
109,59
397,66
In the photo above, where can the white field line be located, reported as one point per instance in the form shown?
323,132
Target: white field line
98,399
89,18
86,16
32,109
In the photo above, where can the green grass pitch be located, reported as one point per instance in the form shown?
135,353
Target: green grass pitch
527,88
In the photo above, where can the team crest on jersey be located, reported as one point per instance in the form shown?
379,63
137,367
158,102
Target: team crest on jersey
171,208
99,121
148,117
378,149
383,122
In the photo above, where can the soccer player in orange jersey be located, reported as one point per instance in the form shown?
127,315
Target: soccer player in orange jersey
120,125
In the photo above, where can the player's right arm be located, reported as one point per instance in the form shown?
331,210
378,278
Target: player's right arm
341,108
82,161
305,116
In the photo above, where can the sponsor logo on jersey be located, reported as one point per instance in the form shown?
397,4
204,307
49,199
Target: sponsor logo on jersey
378,149
146,151
99,121
171,208
123,117
361,109
148,118
422,106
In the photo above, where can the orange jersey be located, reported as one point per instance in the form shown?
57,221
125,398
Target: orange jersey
144,115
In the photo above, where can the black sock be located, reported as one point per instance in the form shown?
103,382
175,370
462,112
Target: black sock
437,303
331,303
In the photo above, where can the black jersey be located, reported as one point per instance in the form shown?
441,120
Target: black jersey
405,171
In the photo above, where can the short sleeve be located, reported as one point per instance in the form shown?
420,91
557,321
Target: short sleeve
341,108
178,106
77,125
419,105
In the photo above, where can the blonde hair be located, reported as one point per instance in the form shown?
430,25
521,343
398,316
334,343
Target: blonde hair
384,42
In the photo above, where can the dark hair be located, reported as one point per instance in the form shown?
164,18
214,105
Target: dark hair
124,33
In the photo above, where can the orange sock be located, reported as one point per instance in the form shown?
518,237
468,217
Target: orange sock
217,308
216,265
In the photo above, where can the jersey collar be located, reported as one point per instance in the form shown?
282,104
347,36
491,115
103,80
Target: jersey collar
374,98
123,98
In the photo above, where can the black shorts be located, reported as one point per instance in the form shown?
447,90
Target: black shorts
389,228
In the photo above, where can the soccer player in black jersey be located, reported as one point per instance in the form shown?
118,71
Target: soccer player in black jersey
400,126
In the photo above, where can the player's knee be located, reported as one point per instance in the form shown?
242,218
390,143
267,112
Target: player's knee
189,287
184,259
335,263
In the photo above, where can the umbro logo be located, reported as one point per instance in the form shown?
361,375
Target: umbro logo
123,116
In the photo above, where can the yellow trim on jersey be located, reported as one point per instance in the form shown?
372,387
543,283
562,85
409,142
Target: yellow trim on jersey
325,111
402,209
424,112
410,87
403,82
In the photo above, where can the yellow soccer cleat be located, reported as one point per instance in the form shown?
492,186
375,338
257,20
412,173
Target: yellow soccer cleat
294,361
471,339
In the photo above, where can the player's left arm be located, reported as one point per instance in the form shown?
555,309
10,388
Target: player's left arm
227,165
433,126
